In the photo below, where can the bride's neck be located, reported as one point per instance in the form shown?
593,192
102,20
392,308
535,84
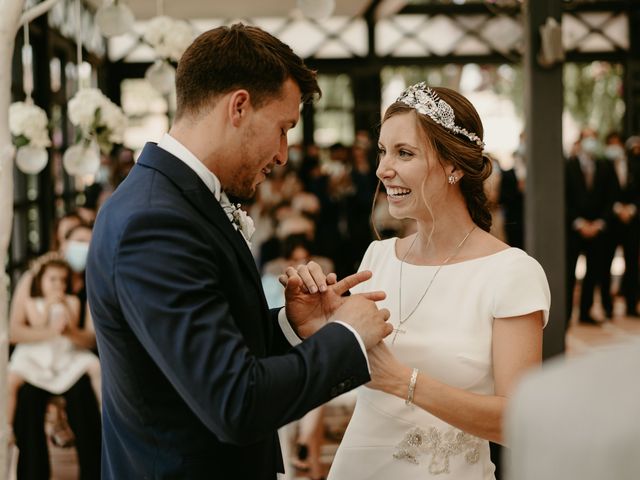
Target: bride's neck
435,242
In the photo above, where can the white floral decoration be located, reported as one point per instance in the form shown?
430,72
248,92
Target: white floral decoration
97,117
244,222
28,124
168,37
239,218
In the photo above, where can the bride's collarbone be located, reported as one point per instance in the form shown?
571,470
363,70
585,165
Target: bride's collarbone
482,245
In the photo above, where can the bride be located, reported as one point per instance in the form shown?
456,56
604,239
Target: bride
467,310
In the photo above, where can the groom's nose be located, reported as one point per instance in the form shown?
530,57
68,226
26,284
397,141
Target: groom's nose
282,155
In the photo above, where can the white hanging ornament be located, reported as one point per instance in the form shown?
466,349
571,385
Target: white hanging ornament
114,19
317,9
31,120
82,158
31,160
162,76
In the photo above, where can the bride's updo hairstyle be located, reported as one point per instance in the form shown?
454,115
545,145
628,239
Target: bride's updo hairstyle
459,145
240,56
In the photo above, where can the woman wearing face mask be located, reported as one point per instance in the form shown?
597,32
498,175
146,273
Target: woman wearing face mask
81,401
625,226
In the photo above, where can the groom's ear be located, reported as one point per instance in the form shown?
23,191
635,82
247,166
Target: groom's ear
239,106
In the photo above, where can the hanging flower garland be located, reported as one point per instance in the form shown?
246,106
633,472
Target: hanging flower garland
169,38
100,122
28,124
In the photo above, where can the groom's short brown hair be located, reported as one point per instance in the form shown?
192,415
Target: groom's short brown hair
240,56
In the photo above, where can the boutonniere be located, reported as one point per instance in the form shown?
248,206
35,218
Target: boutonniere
243,222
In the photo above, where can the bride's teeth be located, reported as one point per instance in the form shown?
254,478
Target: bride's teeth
394,192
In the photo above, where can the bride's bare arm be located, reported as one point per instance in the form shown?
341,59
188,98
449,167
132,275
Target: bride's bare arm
517,346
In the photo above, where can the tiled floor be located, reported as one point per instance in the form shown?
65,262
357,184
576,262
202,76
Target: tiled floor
580,339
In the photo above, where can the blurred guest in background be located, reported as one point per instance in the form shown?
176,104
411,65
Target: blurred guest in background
589,191
625,226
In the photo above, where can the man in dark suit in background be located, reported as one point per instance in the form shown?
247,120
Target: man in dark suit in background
625,224
589,201
197,373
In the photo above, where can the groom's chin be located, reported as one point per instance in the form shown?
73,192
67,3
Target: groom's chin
246,192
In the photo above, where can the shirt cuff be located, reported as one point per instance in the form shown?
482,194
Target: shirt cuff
359,339
287,329
293,339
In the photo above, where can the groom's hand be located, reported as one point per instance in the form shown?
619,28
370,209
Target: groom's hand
311,297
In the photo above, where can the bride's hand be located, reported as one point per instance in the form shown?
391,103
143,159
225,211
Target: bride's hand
311,297
387,372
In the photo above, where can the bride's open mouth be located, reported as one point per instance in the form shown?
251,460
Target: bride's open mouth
398,192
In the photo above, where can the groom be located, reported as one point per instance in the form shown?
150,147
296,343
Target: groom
197,373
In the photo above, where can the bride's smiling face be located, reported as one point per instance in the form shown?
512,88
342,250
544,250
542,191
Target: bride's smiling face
411,174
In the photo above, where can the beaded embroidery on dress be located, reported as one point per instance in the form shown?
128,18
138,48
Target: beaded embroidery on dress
438,446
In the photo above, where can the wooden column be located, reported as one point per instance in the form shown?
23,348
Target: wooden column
544,209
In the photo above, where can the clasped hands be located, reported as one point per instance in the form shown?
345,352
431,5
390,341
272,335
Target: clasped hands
313,299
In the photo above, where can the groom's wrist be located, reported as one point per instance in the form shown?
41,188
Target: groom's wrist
359,339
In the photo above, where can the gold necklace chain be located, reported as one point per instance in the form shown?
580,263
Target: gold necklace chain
446,260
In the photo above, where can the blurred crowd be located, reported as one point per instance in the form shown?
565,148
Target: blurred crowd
602,197
323,205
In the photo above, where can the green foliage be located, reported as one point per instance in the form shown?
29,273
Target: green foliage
593,95
20,140
99,131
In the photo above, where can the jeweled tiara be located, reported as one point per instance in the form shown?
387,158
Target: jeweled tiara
427,102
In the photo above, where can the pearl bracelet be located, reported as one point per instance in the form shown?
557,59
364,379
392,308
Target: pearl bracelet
412,386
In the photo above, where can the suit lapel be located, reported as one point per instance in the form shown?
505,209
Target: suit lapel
208,206
201,198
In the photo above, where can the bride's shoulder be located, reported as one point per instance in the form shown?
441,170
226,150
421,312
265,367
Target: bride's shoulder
483,244
380,248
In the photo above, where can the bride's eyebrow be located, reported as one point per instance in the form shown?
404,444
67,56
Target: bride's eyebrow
404,145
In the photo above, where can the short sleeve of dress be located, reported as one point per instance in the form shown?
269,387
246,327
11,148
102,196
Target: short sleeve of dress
521,288
365,264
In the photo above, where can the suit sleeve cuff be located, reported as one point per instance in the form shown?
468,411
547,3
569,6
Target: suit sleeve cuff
293,339
287,329
359,339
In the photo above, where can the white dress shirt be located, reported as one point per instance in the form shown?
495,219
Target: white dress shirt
178,150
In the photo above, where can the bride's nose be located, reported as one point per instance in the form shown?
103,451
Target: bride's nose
384,170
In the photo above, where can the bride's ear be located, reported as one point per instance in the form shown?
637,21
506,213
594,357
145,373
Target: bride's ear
238,106
456,172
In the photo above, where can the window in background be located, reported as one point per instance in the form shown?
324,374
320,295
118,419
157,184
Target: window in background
147,112
333,117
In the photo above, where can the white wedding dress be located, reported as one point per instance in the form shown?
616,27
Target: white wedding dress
448,337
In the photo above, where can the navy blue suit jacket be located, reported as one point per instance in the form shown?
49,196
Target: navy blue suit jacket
197,375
